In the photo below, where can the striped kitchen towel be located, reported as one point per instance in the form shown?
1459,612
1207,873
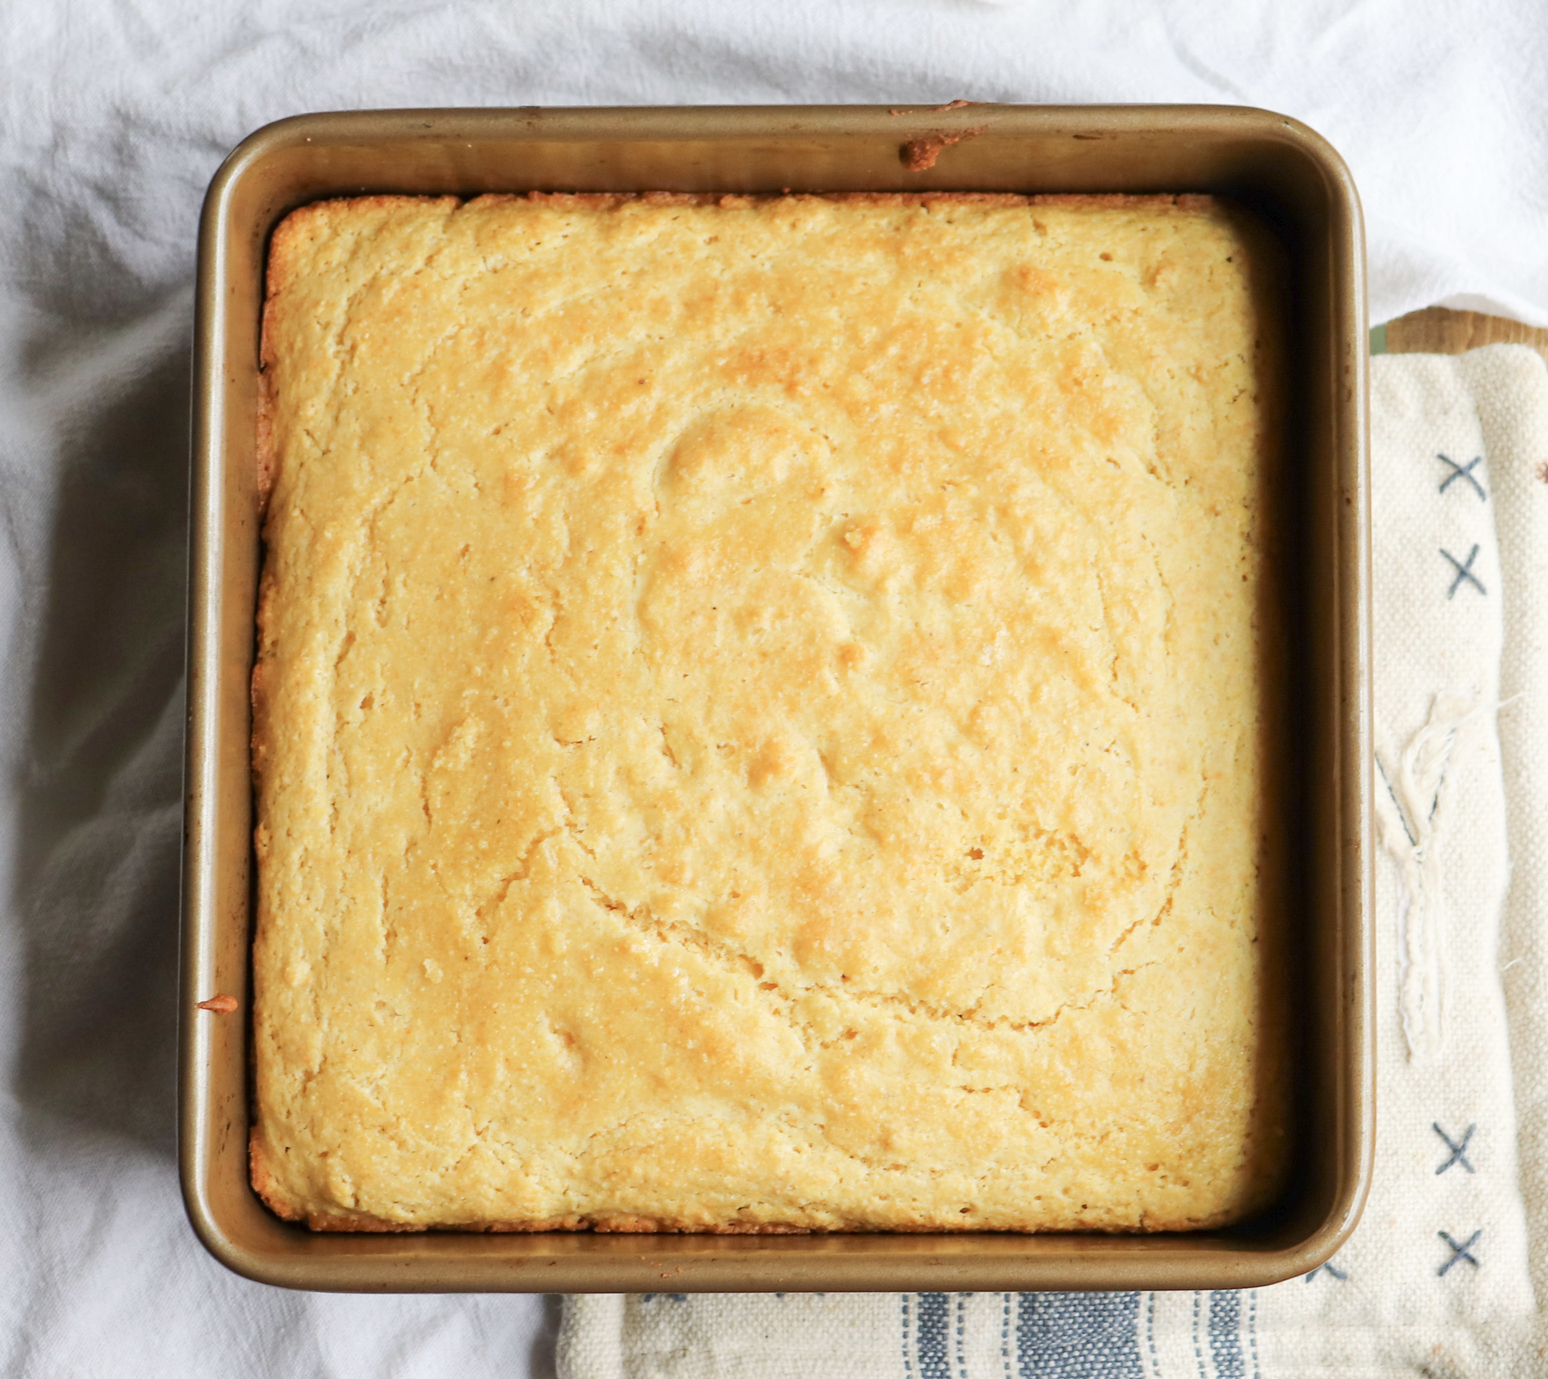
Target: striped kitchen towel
1439,1278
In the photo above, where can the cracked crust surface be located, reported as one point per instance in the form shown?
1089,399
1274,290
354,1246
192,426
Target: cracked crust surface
762,715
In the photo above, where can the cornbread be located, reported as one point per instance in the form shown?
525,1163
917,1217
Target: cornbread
764,715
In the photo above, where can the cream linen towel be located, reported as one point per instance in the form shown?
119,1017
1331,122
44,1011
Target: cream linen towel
1436,1279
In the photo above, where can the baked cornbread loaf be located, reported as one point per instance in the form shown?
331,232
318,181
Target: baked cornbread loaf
763,717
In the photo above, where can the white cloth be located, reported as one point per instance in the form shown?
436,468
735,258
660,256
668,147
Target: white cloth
1438,1268
113,116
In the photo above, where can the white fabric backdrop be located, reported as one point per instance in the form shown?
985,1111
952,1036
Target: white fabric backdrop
113,116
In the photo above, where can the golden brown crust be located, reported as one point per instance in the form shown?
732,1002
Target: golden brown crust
760,716
264,1182
264,449
644,1225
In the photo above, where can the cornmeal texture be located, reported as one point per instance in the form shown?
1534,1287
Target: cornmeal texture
762,715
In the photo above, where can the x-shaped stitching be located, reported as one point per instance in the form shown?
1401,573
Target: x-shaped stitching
1462,471
1464,569
1337,1273
1458,1148
1461,1251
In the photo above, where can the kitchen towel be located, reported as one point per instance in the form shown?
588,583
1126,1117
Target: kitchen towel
1437,1273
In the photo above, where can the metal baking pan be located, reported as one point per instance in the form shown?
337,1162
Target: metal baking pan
1277,166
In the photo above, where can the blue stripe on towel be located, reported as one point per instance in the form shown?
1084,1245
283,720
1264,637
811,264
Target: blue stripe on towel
932,1331
1078,1336
1225,1340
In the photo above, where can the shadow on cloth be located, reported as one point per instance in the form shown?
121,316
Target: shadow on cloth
96,890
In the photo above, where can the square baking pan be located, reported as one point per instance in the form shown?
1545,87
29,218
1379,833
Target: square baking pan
1280,169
